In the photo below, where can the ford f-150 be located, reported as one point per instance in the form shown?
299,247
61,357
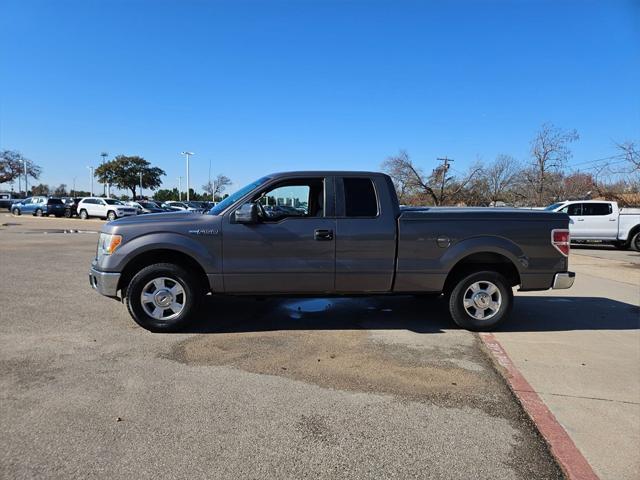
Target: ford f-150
329,233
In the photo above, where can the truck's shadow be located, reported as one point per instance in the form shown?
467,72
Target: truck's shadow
417,314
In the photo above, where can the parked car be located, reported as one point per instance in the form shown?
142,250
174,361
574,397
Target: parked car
146,206
352,239
7,199
188,206
603,221
108,208
71,207
38,206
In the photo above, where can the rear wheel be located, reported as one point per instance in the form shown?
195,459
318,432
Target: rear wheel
481,300
38,212
16,211
635,242
83,214
67,213
163,297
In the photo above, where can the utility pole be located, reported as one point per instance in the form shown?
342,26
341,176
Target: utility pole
140,196
74,187
187,154
445,168
179,189
91,178
104,156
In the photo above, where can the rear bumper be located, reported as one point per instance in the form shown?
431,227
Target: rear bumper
106,283
563,280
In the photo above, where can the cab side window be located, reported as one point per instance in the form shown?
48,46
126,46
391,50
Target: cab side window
298,198
573,210
596,209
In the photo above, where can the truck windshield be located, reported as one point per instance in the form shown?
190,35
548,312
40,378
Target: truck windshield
234,197
553,206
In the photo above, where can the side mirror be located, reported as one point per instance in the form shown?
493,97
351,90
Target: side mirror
247,213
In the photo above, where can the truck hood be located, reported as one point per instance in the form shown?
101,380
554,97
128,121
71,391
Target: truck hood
180,221
169,217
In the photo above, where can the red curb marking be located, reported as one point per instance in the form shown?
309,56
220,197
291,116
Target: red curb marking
572,462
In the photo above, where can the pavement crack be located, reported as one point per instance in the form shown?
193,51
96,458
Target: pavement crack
580,396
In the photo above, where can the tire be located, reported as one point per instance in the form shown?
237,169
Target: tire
111,215
467,311
38,212
16,212
83,214
67,213
635,242
163,285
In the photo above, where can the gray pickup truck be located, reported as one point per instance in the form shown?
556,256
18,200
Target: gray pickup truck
329,233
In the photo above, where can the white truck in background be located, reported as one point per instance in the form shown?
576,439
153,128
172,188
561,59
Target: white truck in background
602,221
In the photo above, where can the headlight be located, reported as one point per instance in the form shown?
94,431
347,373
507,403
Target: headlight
107,243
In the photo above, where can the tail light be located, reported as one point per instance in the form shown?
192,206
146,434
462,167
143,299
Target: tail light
561,240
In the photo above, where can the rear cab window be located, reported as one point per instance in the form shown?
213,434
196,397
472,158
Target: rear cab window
596,209
360,198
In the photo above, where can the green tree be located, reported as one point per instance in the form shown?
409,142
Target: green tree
12,165
165,195
41,189
124,172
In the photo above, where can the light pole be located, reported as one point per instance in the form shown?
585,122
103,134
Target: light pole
74,187
179,189
91,178
187,155
26,176
104,156
140,187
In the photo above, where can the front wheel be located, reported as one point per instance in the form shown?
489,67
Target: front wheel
16,212
163,297
481,300
83,214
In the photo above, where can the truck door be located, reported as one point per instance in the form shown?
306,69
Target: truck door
600,222
365,235
576,220
291,249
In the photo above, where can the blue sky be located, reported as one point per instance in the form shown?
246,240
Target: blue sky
265,86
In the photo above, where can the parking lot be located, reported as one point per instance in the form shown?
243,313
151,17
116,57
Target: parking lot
294,388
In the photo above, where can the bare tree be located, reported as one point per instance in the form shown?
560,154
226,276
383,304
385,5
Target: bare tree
218,186
499,178
413,186
549,153
631,153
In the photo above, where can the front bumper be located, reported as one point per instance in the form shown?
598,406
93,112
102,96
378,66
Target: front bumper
563,280
106,283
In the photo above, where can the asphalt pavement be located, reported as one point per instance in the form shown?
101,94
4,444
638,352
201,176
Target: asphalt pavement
280,388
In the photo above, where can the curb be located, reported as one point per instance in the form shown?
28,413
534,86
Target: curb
565,452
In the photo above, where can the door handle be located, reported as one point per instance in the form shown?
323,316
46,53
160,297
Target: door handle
612,219
323,235
581,219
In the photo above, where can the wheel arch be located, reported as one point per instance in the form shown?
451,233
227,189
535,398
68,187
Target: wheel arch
161,255
481,261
